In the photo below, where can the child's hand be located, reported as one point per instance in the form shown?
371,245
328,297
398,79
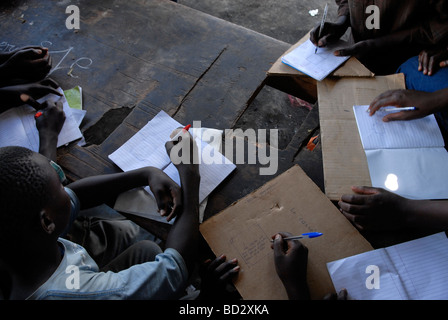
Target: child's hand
429,62
216,275
25,65
51,118
291,260
167,193
374,209
10,96
342,295
425,102
331,33
183,153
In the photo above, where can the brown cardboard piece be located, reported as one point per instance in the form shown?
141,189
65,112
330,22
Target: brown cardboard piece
290,203
344,159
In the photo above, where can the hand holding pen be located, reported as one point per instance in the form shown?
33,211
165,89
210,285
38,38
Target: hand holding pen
291,261
310,235
322,24
408,104
329,32
50,119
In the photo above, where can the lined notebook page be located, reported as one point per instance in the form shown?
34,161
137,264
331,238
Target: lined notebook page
211,174
377,134
415,270
12,132
317,65
147,148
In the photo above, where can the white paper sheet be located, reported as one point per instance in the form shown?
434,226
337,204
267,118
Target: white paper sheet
147,147
417,174
317,65
18,126
153,138
405,157
414,270
377,134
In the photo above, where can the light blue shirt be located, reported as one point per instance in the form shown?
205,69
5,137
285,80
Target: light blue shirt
78,276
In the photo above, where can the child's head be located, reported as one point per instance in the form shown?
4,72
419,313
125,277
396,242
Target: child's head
33,202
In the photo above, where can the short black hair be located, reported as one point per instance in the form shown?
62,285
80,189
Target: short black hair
23,193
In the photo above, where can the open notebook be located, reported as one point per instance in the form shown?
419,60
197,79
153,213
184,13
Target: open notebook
147,148
317,65
18,126
414,270
405,157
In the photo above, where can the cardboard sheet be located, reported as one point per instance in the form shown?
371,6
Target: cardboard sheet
344,159
289,203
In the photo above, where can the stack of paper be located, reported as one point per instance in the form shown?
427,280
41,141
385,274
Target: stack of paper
18,126
317,65
147,148
405,157
414,270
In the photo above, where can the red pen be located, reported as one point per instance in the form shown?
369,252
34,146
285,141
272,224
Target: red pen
38,114
185,129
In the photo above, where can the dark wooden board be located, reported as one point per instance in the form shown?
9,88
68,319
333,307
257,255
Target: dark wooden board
152,55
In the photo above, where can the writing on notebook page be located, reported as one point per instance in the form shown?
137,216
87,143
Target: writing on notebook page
377,134
317,65
252,246
147,148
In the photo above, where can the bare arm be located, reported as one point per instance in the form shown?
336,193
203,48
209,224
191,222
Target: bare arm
96,190
184,234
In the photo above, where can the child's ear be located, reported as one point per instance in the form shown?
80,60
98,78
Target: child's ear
46,222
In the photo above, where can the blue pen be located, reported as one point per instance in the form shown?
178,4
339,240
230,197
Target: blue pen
310,235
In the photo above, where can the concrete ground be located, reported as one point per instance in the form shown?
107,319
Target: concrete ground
285,20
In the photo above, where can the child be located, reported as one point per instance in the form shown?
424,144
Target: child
403,30
35,209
